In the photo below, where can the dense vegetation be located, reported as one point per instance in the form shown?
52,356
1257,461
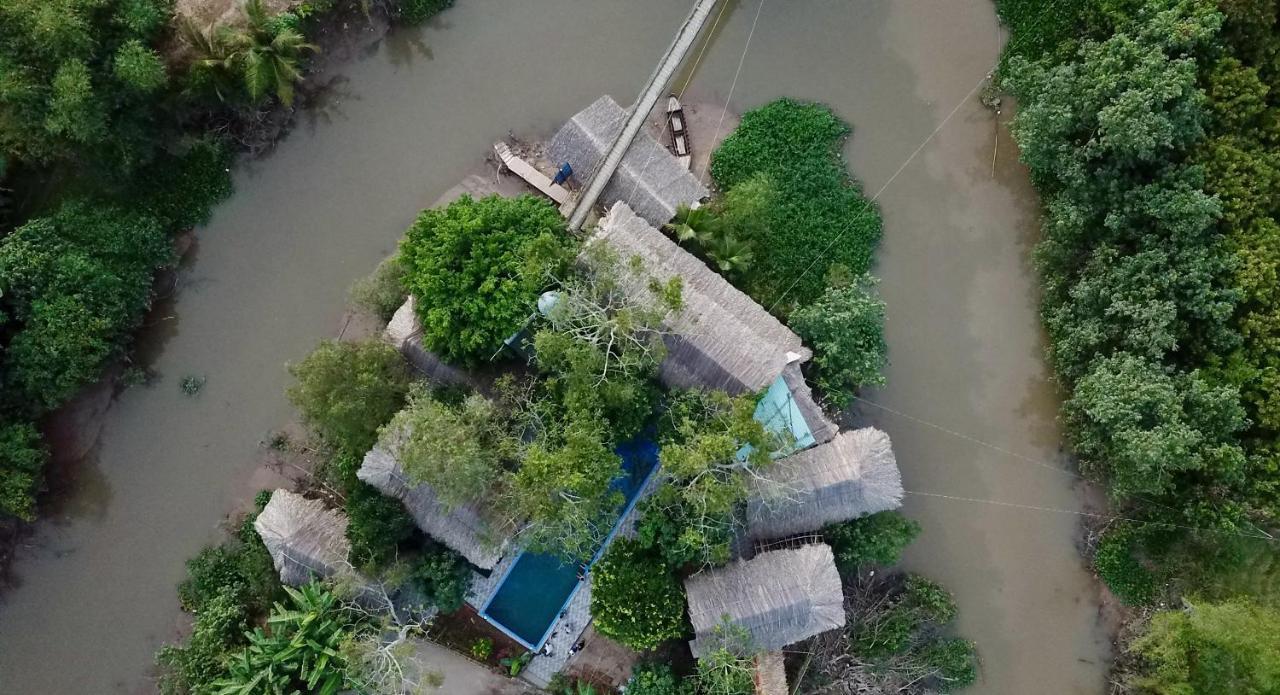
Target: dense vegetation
1149,127
815,220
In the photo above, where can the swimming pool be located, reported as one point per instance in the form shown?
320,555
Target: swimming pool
538,586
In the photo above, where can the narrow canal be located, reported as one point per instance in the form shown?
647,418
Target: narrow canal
405,119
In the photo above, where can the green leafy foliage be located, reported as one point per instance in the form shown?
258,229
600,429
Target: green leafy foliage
476,268
78,81
893,629
845,328
240,567
657,679
219,628
382,292
377,527
139,68
727,666
298,652
346,391
419,11
602,345
817,216
874,540
22,459
260,53
73,282
635,597
710,442
1231,647
1116,560
443,577
461,451
563,491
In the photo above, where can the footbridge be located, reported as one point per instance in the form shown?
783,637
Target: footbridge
578,208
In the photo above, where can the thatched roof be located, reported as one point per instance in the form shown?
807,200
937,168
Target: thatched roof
853,475
464,528
404,332
305,538
650,178
721,339
780,597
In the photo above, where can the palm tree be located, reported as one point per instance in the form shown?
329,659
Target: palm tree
268,54
264,53
730,255
694,224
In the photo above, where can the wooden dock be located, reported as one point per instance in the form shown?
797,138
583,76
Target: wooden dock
529,173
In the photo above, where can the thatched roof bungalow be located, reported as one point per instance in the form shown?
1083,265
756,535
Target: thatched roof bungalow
305,538
779,597
722,339
464,528
853,475
404,332
650,178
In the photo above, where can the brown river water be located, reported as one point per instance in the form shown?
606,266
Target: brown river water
972,412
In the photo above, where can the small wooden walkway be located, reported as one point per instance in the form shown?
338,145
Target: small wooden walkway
529,173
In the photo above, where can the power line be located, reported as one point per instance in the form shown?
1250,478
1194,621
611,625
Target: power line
876,197
734,84
666,129
1093,515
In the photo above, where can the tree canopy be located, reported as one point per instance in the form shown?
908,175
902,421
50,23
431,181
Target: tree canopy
348,390
476,268
635,597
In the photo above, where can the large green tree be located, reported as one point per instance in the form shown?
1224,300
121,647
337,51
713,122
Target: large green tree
635,597
476,268
461,451
347,390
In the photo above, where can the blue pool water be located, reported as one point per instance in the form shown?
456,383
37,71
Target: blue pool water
538,586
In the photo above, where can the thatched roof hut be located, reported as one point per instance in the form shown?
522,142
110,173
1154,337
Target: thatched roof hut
464,528
305,538
853,475
721,339
650,178
771,674
404,332
779,597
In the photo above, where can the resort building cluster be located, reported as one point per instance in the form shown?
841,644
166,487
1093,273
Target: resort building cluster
781,586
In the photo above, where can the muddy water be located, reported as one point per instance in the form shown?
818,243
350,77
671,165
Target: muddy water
405,120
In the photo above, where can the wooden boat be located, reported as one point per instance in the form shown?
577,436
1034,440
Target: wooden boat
679,131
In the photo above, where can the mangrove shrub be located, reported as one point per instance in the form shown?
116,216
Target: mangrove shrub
635,598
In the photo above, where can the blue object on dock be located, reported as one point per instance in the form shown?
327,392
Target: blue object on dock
563,175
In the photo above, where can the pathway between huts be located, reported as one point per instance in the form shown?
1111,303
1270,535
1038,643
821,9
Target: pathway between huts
463,676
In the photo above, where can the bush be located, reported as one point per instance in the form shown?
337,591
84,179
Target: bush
656,679
443,577
635,599
953,662
920,605
22,459
348,390
240,567
818,217
476,268
878,539
219,628
1231,647
382,292
1116,563
845,328
183,189
377,526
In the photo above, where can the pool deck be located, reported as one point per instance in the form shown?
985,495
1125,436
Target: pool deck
568,630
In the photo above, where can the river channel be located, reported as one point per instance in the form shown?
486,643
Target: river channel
967,403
